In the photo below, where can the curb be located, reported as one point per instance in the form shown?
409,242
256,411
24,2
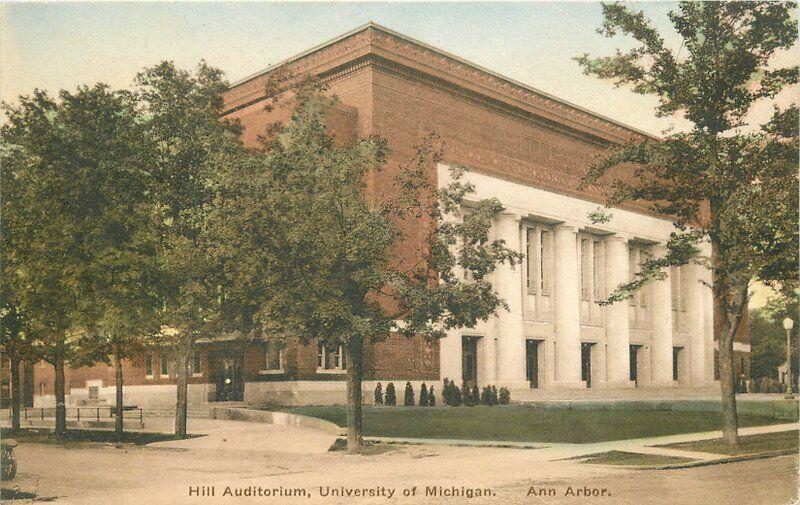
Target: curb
722,461
459,443
277,418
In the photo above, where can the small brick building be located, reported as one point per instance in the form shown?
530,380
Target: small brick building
529,150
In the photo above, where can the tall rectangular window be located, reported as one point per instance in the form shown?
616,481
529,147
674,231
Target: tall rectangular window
537,254
644,255
585,268
544,270
674,285
530,270
633,267
195,363
684,275
597,264
164,365
330,357
273,357
148,365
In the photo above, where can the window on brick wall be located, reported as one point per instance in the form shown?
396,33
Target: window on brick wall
330,358
272,358
148,364
196,364
164,365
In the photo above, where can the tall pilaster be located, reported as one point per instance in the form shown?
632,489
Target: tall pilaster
661,345
708,312
566,290
509,329
695,324
616,317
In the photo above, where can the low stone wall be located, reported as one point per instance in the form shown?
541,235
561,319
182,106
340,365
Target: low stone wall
305,393
270,417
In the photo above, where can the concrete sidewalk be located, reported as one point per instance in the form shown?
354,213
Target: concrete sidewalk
243,437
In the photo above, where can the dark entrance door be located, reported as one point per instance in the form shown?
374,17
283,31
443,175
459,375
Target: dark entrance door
229,376
586,363
634,364
532,362
469,360
676,362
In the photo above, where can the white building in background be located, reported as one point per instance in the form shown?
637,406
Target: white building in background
556,336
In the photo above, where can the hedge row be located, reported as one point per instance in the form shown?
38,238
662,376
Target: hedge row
451,393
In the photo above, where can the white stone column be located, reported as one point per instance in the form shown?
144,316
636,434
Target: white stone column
566,290
661,345
616,317
695,325
708,313
509,329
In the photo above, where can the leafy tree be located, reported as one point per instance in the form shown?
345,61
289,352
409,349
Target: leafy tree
734,189
72,177
332,250
767,344
18,346
192,154
768,337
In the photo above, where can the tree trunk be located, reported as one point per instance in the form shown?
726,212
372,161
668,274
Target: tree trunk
61,406
15,391
182,403
355,356
723,334
119,422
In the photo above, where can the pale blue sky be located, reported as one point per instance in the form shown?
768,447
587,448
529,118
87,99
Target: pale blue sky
60,45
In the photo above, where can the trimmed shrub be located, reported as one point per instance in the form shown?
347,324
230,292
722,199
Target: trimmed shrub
505,396
453,395
466,396
486,396
409,399
495,399
431,397
379,394
423,396
391,396
476,395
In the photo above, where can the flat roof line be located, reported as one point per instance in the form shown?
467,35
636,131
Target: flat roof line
394,33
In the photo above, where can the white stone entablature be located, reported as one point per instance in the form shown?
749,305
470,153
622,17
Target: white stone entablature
555,335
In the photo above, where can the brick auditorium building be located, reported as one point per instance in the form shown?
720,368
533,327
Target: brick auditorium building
522,146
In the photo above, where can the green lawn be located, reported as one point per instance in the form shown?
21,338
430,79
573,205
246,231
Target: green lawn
528,424
632,459
750,444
